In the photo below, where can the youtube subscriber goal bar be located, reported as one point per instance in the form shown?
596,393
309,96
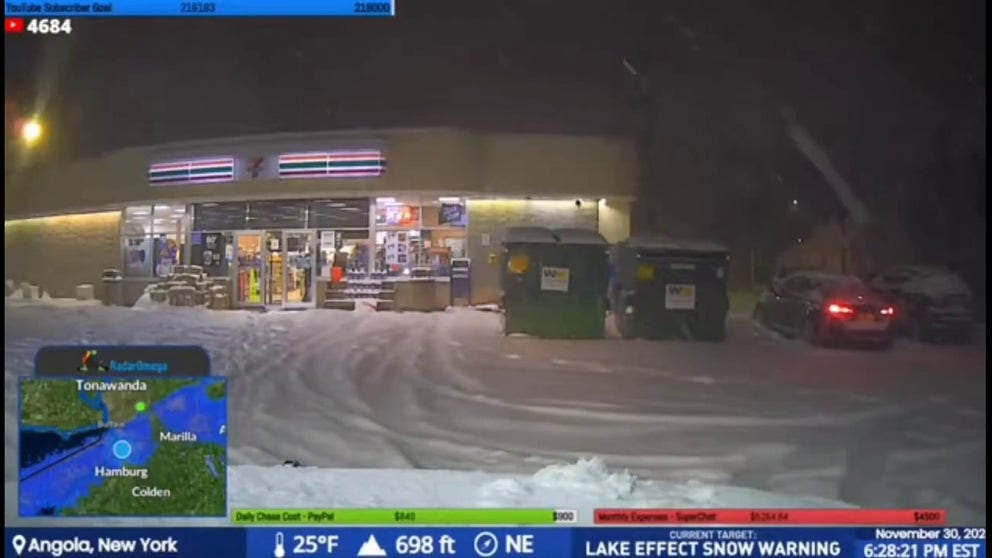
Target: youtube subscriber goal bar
197,8
831,517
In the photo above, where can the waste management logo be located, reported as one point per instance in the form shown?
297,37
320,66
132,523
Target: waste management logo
680,297
554,279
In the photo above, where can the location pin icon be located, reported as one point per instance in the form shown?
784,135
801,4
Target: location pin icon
18,543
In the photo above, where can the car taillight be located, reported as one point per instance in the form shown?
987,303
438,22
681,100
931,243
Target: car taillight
887,311
837,309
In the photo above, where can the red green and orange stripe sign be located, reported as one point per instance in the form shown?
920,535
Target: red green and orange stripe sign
192,172
362,163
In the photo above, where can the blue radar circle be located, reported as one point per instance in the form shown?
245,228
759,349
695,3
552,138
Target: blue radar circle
122,449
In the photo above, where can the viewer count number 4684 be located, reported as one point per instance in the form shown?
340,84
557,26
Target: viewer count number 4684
49,26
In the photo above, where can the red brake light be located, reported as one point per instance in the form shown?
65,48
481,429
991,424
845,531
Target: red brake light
839,309
887,311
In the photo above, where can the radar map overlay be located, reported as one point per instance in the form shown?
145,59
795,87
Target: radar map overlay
99,446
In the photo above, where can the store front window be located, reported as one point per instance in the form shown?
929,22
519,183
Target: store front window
212,243
442,232
275,251
344,252
412,233
419,233
343,244
397,236
153,239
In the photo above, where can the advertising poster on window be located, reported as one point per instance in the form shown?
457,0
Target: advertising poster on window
453,215
168,255
397,216
213,249
137,260
397,248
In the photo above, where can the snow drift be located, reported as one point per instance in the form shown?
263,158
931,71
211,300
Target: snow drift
584,485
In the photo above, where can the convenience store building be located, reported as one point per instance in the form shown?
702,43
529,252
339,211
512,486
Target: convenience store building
278,213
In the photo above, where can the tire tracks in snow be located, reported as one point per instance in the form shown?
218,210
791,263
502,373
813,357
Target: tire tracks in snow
438,375
330,408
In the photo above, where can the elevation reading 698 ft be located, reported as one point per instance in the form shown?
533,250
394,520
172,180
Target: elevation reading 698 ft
123,447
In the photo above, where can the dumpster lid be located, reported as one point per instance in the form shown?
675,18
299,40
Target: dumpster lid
580,236
529,235
676,244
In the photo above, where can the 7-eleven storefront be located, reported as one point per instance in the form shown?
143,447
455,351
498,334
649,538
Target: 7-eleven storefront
281,217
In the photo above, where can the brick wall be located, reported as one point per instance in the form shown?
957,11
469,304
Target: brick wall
61,252
487,219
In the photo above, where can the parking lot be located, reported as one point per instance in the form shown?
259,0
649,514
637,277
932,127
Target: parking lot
897,428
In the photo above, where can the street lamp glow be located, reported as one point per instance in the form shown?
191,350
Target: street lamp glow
31,131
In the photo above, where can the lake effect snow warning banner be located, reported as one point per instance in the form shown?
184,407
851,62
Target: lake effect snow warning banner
549,542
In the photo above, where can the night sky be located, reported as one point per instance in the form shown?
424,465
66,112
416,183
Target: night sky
895,91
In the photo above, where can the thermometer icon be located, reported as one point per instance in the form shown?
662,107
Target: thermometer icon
280,551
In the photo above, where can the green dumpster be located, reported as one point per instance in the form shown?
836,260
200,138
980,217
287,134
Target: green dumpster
664,289
554,282
583,255
524,250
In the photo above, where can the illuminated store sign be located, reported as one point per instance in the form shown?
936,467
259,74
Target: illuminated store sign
192,172
333,164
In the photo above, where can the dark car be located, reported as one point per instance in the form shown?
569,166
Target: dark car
783,273
931,303
825,308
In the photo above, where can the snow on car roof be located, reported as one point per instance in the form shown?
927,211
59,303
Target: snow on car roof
540,235
579,236
930,280
922,269
938,283
667,243
828,278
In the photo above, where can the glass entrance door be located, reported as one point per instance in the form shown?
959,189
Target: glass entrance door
299,249
248,274
275,293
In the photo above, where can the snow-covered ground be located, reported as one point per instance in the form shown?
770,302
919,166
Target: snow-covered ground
554,423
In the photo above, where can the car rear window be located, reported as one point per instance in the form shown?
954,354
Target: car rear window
851,285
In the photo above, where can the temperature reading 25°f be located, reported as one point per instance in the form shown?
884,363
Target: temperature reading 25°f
314,544
50,26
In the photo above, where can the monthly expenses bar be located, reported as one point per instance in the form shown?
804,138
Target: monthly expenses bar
198,8
842,516
416,516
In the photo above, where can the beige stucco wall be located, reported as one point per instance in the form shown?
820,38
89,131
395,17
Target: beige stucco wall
614,219
489,218
60,252
552,165
446,161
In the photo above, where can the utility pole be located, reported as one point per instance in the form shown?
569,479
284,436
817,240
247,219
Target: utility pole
858,216
645,216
